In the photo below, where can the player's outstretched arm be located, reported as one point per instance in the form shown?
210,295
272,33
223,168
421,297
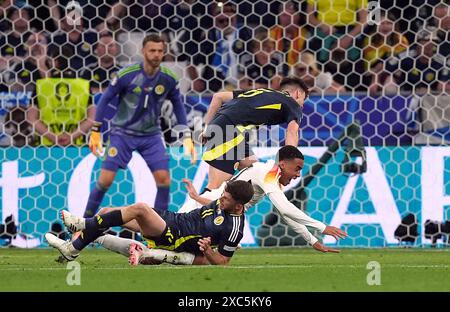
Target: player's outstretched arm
105,105
337,233
193,193
292,133
217,100
292,215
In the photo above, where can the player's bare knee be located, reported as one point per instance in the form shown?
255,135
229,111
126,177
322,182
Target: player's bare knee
163,182
140,208
104,185
105,210
162,179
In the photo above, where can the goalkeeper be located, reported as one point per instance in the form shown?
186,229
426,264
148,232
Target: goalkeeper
134,98
267,179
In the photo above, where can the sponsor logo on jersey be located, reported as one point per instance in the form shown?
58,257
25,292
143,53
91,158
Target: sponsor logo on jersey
218,220
114,81
159,89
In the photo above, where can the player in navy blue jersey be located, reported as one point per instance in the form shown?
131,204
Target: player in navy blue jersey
135,97
219,224
232,114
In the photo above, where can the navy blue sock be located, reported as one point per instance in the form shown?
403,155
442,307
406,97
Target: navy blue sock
94,201
162,197
96,226
86,237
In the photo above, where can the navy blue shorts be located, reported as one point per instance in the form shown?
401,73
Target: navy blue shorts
121,146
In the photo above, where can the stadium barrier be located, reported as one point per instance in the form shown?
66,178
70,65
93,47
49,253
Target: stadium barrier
38,182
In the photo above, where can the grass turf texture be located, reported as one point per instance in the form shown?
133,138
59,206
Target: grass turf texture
281,269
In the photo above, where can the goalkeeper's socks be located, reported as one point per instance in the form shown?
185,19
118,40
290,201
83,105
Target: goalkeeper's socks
162,197
94,201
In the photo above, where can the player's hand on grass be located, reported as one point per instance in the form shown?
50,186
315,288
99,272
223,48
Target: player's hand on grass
337,233
204,244
191,189
95,140
189,149
319,247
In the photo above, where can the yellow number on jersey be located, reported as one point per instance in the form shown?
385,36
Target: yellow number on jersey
254,92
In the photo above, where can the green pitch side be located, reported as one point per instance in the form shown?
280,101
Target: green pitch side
282,269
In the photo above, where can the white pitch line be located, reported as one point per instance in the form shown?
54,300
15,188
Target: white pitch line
253,267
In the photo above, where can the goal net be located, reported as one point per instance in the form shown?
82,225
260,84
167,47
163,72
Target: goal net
375,129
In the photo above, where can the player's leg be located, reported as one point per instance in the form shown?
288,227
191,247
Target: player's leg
153,150
227,150
244,152
117,244
98,192
118,154
150,223
162,180
132,225
144,255
138,253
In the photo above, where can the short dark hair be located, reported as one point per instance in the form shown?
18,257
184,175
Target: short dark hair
152,38
289,152
296,82
241,191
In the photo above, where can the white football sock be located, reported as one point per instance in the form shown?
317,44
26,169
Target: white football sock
117,244
169,256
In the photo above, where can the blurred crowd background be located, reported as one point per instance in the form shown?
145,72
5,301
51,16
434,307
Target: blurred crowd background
389,47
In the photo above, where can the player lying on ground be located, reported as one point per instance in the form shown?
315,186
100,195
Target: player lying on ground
266,178
218,224
231,114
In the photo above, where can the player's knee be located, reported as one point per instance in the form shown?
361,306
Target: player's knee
162,178
141,208
163,181
105,210
104,185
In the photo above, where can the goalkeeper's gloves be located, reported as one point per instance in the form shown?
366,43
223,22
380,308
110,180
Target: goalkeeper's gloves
95,139
189,147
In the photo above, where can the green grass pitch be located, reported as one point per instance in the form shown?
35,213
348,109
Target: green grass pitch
280,269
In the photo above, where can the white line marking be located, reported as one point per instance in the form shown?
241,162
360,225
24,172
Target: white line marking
237,267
